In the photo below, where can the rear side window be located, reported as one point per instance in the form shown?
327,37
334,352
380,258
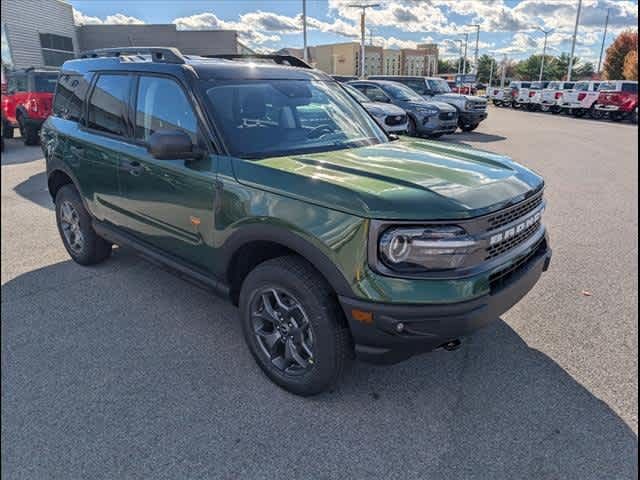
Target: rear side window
416,84
17,83
630,87
44,82
108,104
568,85
70,93
162,104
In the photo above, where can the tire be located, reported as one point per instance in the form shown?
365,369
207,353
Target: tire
296,282
467,127
7,130
596,114
634,116
87,248
29,133
578,112
616,116
497,103
555,110
545,108
434,136
516,105
412,130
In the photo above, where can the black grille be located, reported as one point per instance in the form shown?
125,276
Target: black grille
498,279
511,242
507,216
447,116
395,119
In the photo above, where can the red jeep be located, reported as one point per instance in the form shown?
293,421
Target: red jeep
618,98
462,89
27,102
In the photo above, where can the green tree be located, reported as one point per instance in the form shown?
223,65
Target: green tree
624,43
484,68
584,71
447,66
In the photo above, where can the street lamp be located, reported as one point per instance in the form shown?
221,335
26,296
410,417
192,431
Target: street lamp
544,50
464,57
475,58
573,42
362,31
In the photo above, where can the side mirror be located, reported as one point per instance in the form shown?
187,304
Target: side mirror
172,145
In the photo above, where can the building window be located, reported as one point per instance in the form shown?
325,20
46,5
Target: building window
56,49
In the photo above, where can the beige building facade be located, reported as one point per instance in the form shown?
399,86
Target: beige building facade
344,59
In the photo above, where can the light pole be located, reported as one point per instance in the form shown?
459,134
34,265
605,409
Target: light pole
493,61
460,58
475,56
504,71
604,37
544,50
304,31
464,57
362,32
573,42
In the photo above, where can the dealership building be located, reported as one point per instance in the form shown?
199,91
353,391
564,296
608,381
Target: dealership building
42,33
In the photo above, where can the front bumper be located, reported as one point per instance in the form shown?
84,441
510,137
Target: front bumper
434,124
572,105
472,118
396,128
609,108
374,326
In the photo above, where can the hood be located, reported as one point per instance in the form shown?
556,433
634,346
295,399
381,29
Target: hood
386,108
457,97
407,179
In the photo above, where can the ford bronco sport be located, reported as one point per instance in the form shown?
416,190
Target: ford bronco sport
274,187
27,102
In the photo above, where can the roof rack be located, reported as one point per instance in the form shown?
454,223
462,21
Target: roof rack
288,60
158,54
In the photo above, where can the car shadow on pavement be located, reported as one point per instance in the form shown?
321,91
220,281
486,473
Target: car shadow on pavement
105,368
16,152
35,190
477,137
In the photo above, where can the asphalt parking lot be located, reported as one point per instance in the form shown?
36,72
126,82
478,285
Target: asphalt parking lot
126,371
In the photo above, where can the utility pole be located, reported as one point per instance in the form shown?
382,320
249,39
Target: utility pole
305,56
460,58
362,32
544,51
604,37
464,57
493,61
504,71
573,42
475,56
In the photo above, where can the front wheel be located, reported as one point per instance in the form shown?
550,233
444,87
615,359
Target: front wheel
497,103
74,224
555,110
28,132
293,326
578,112
516,105
545,108
7,130
467,127
412,130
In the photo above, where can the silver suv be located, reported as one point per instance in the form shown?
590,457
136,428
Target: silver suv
471,109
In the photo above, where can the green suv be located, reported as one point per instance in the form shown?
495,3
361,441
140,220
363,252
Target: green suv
273,186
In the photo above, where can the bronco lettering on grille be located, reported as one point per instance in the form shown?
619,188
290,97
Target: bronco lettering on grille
513,231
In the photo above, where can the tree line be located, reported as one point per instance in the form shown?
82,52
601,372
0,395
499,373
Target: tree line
621,62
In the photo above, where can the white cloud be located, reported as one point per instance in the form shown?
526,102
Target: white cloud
80,18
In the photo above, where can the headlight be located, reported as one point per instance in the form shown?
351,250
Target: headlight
415,249
468,105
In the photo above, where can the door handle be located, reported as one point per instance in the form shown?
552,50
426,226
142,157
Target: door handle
134,167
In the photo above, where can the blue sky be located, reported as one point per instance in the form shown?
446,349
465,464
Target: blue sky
507,26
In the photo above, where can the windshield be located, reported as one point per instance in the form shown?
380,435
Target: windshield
269,118
608,86
554,86
400,92
45,82
439,86
581,86
360,97
537,85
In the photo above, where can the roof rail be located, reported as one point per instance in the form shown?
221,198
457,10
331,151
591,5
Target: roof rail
288,60
158,54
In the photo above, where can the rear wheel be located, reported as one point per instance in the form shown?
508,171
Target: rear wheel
74,224
556,110
516,105
578,112
596,114
497,103
616,116
545,108
294,326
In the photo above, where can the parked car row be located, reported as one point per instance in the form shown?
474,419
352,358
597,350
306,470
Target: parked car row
432,109
615,99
